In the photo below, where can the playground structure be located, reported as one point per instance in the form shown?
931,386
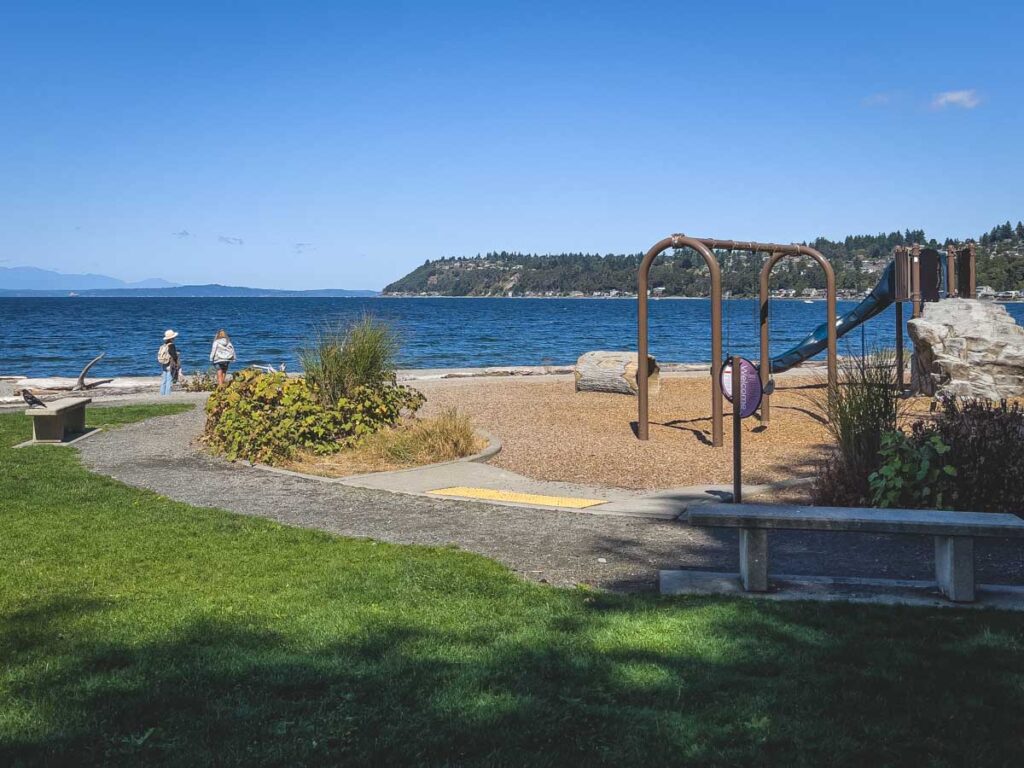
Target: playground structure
923,275
917,274
706,247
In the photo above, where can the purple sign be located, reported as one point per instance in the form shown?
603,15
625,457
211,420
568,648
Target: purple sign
750,386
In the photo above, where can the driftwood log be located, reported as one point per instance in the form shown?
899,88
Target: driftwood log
613,372
81,384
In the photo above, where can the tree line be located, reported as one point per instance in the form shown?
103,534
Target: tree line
857,261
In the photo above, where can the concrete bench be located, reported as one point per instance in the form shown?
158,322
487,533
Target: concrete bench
954,534
58,419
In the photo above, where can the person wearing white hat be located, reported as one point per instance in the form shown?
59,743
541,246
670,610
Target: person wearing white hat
169,361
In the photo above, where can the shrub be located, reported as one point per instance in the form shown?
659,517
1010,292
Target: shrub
368,409
833,486
266,418
915,473
200,381
987,442
858,412
344,359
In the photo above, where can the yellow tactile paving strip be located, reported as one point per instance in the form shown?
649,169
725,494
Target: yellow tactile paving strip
489,494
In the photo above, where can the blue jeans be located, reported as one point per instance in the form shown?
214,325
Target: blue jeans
165,382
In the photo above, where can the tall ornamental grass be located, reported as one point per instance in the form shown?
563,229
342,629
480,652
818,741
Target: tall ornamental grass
445,437
343,359
864,406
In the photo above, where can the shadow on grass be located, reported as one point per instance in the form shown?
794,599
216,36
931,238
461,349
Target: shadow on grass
611,681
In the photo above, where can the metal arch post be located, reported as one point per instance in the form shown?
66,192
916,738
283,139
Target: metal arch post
830,311
915,279
951,288
778,253
679,241
900,379
972,287
764,299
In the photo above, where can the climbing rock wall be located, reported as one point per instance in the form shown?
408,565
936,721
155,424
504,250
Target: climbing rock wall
967,348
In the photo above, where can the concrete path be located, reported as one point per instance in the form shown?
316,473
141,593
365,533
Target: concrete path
426,481
473,479
556,546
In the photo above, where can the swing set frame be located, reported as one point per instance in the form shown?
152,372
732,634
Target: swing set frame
705,247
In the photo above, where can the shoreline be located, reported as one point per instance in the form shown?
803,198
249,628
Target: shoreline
626,297
121,386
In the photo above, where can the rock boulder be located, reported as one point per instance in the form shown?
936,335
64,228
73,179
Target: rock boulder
967,348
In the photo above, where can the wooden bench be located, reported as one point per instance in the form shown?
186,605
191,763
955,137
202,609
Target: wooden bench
58,419
954,534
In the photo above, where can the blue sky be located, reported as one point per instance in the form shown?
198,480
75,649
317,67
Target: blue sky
338,144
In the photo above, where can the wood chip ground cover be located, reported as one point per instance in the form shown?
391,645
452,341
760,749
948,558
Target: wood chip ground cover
551,432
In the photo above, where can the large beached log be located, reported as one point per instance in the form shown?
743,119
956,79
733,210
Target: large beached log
613,372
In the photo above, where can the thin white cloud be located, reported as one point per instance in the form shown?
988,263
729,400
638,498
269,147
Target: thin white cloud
302,247
966,99
182,234
231,240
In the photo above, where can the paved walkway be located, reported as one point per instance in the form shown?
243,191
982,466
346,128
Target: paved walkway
559,547
472,479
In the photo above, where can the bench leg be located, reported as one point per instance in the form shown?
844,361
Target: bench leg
47,429
954,567
754,559
74,421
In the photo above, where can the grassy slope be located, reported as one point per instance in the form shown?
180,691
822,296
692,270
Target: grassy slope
135,629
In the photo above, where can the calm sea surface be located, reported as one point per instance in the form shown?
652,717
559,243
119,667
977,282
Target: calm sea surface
40,337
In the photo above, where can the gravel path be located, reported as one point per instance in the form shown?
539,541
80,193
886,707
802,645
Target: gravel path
558,547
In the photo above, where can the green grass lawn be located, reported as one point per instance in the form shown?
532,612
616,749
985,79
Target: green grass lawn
136,630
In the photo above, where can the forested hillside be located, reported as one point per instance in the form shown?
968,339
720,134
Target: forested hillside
856,259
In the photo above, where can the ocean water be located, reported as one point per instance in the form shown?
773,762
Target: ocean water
57,336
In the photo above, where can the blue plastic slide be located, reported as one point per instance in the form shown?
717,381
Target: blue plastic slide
876,301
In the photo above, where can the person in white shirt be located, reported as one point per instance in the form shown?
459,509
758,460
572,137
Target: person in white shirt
222,354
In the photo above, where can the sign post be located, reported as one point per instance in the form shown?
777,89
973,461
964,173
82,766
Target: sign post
741,385
737,431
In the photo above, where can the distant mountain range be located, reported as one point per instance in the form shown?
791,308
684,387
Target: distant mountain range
34,279
30,281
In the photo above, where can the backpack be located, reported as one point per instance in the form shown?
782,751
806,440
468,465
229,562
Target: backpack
163,355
